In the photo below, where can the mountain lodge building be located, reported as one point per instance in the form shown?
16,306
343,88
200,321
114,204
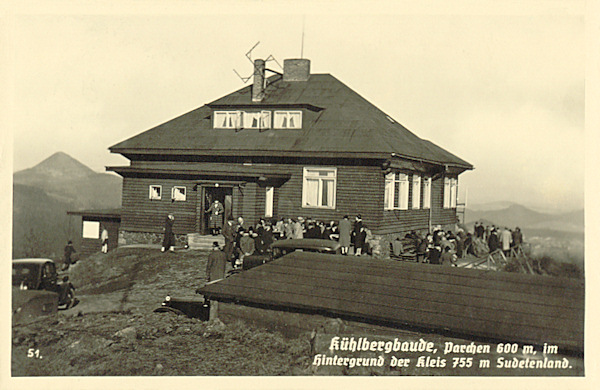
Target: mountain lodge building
289,145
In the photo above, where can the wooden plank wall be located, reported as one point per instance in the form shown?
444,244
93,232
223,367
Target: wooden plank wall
360,190
497,305
140,214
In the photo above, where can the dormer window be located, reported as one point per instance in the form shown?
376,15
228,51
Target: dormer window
228,120
288,120
257,120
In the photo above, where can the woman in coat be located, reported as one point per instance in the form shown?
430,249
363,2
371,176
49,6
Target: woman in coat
169,239
344,229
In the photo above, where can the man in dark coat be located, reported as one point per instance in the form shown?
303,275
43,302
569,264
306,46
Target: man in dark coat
69,251
493,241
217,261
229,233
357,227
169,239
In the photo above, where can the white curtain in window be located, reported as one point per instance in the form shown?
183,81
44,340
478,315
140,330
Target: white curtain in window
416,192
178,193
312,192
265,120
327,192
403,191
269,202
388,201
453,192
427,193
155,192
446,192
295,120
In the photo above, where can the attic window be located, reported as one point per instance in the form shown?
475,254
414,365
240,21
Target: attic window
227,120
288,120
257,120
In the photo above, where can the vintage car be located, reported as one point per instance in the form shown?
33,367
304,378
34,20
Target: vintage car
36,290
282,247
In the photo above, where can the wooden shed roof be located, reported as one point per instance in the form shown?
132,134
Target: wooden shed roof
344,124
502,306
98,213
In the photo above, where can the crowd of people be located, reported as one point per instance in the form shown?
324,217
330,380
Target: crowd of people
439,247
435,247
243,240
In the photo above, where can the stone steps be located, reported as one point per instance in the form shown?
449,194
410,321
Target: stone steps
199,242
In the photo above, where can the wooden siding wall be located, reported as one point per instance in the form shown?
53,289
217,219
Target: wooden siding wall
440,215
140,214
358,191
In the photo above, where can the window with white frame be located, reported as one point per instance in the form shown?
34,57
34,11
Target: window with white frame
178,194
228,120
426,192
416,192
288,120
396,183
269,202
318,187
446,192
155,192
388,198
453,192
257,120
403,191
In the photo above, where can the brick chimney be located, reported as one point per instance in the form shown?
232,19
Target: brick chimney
258,86
296,69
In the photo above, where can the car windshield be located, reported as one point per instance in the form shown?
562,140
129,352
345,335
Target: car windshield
27,273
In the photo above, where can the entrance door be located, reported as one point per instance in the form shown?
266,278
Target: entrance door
209,194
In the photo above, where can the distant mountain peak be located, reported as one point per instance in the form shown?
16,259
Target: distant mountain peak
61,164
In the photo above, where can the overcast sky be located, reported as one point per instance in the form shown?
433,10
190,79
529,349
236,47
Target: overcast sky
502,88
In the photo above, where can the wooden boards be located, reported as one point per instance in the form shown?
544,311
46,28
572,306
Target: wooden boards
504,306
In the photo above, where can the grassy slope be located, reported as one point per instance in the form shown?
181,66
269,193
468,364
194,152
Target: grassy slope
120,290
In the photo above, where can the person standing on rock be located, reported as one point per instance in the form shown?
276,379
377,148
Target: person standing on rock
169,239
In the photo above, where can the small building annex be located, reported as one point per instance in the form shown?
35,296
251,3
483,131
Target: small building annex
291,144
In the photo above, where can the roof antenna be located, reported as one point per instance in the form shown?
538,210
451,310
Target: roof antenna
302,47
249,57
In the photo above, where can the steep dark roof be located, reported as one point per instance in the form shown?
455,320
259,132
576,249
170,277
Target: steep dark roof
344,124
